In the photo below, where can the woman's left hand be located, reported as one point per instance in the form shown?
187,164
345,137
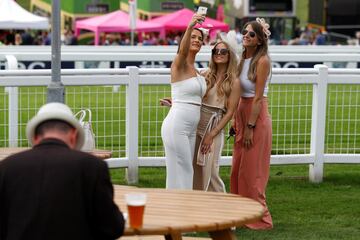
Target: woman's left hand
206,144
197,18
248,137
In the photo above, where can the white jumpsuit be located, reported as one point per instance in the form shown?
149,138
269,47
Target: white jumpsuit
178,131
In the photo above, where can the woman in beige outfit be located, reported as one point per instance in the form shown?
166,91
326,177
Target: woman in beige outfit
218,106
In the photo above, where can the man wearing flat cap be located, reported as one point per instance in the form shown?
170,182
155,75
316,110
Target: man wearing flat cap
54,191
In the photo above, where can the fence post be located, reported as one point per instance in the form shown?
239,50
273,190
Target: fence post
318,124
132,125
12,64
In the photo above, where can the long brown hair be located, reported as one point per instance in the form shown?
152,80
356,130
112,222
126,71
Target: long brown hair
224,84
261,50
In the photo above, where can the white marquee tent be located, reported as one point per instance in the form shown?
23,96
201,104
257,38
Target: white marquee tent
13,16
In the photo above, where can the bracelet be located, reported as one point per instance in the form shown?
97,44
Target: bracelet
251,126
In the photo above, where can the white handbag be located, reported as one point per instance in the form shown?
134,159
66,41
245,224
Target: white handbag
89,143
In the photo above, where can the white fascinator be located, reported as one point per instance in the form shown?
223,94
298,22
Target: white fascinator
205,31
230,39
265,26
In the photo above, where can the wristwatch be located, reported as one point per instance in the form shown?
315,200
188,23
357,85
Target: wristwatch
251,126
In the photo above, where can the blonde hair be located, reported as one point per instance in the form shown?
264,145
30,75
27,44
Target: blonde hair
225,83
261,50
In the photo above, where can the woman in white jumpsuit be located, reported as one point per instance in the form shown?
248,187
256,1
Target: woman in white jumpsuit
178,130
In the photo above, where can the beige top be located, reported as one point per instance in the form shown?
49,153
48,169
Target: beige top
213,100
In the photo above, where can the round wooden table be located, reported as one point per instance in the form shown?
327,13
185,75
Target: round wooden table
173,212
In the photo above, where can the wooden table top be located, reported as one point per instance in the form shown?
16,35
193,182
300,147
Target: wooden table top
5,152
173,212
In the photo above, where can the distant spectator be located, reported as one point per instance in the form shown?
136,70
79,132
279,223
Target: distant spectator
70,38
304,39
146,40
46,38
162,42
38,40
126,41
10,38
18,39
357,35
117,38
109,40
27,39
320,38
170,40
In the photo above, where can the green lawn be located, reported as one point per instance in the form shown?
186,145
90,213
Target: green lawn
300,209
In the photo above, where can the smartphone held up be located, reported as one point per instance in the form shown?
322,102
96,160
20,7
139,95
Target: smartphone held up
202,11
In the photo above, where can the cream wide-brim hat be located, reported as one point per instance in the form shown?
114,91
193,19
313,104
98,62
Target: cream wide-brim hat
55,111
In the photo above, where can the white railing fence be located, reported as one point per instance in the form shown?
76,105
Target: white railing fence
310,49
314,111
151,56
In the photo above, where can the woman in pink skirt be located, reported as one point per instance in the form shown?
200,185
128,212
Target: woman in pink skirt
252,147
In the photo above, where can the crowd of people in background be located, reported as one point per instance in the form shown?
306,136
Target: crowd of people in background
309,36
301,36
29,37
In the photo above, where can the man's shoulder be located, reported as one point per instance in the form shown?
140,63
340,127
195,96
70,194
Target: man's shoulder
51,154
16,156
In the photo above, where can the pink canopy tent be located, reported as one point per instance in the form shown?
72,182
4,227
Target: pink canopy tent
180,19
117,21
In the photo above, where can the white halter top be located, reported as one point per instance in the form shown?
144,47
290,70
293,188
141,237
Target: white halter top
190,90
248,87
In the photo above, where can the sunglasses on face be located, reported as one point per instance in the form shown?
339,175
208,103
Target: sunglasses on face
220,51
252,34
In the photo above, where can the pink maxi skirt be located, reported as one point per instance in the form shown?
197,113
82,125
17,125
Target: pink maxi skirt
250,167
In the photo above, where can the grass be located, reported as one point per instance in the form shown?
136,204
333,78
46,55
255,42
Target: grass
300,209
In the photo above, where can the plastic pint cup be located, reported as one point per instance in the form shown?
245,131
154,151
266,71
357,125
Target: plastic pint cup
136,206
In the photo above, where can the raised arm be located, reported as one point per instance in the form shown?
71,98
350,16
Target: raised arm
185,41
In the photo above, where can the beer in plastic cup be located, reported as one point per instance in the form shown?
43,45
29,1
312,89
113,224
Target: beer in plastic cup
136,207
